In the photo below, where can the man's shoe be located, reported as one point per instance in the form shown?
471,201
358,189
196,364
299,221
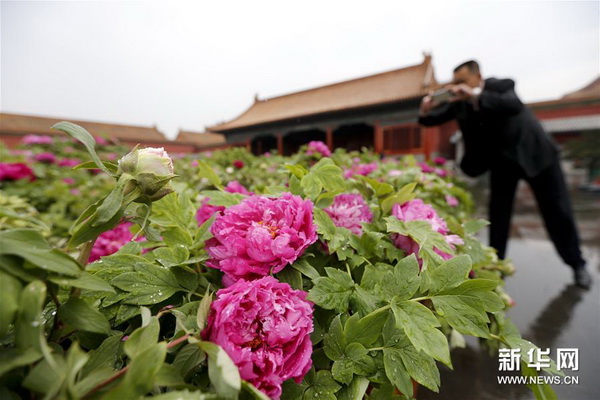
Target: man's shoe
582,278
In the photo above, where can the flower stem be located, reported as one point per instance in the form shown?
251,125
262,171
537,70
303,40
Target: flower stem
382,309
122,372
83,258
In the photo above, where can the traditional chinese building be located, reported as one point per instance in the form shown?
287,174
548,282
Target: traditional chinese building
377,111
14,126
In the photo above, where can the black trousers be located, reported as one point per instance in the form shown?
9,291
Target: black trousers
553,201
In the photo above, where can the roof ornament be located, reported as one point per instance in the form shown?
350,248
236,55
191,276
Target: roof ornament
256,99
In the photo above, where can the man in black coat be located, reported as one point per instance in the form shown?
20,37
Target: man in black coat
503,136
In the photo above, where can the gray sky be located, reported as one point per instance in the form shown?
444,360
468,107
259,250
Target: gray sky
192,64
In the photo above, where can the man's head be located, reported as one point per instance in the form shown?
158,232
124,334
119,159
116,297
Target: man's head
468,73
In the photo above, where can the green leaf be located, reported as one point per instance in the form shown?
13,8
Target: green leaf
364,330
203,310
466,316
84,137
406,193
31,246
291,276
10,292
335,340
478,290
222,372
29,326
104,357
85,281
14,358
44,378
420,325
226,199
401,354
205,171
323,175
386,281
112,167
252,391
168,376
142,338
140,377
355,391
396,372
306,269
112,203
150,284
81,316
188,358
332,292
475,225
321,386
541,391
184,395
76,359
450,273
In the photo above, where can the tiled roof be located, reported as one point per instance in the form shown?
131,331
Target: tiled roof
590,90
25,124
568,124
382,88
200,138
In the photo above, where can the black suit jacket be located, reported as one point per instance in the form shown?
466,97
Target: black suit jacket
501,130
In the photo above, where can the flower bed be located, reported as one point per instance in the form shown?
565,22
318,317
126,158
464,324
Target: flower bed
225,275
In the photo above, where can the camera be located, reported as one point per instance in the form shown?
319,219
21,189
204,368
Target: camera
442,95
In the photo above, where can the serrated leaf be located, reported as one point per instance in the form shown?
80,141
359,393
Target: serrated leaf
81,316
450,273
420,326
332,292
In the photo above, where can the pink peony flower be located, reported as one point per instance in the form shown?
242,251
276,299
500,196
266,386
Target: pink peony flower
36,139
350,211
69,162
68,181
101,141
264,326
442,173
318,147
239,164
439,160
395,172
195,163
15,171
451,200
206,211
417,210
46,158
236,187
360,169
111,241
426,168
261,235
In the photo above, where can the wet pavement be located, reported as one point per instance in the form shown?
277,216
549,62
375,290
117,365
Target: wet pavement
549,310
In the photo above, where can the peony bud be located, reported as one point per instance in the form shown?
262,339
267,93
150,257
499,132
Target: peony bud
151,170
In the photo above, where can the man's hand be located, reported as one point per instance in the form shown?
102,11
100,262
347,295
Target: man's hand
426,105
462,92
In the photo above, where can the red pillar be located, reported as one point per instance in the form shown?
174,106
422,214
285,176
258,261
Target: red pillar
378,131
280,144
329,137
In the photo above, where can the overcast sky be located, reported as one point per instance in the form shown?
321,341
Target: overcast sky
190,65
